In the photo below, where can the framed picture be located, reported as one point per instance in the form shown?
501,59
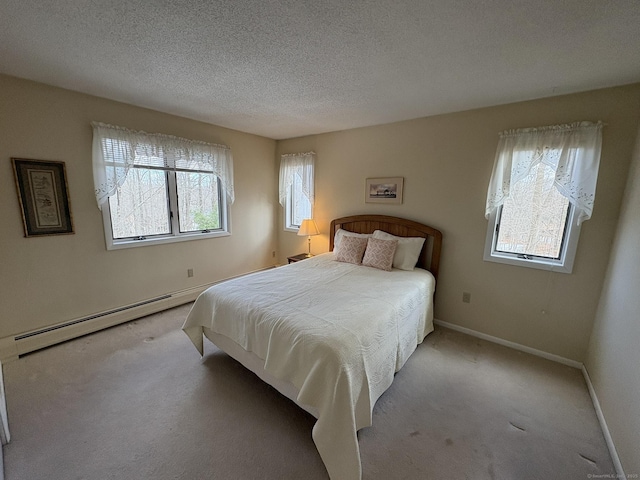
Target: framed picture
42,192
384,190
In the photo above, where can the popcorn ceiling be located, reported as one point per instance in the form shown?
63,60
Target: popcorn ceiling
284,69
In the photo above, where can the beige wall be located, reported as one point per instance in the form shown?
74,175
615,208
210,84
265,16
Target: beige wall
613,359
446,162
47,280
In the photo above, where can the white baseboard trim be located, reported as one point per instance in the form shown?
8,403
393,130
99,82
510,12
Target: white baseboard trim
5,436
507,343
603,425
14,346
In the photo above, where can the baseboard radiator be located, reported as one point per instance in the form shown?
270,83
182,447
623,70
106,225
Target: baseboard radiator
86,319
12,347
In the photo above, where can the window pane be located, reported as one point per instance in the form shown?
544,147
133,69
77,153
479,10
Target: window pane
140,207
300,204
198,201
533,218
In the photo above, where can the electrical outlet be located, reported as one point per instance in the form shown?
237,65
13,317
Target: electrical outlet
190,272
466,297
273,254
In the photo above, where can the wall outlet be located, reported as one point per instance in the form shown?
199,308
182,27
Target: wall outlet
273,254
190,272
466,297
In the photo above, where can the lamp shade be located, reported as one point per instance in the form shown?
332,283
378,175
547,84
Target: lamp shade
308,228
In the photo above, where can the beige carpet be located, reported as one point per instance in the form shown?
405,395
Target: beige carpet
137,402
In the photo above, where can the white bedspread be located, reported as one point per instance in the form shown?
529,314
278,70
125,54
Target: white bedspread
338,332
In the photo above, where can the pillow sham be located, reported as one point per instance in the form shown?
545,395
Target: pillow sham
351,249
340,233
407,251
379,253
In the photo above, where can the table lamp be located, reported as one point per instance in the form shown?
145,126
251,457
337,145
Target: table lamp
308,228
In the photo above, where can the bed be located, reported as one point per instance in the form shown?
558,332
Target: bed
328,334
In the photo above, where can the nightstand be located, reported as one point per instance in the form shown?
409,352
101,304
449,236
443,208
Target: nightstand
297,258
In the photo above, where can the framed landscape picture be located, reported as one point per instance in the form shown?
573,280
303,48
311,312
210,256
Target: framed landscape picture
43,197
384,190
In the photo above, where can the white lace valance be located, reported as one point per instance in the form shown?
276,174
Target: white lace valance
303,165
117,149
572,150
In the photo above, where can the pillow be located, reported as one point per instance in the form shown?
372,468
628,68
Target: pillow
407,251
340,233
351,249
379,253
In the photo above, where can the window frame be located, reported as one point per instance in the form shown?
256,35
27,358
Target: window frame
564,264
174,221
289,226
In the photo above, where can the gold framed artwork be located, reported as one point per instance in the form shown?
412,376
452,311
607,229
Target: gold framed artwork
43,197
384,190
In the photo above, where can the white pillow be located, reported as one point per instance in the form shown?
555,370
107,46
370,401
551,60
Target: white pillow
342,233
407,251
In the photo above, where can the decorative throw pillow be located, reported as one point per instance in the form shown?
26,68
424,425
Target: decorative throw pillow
379,253
340,233
351,249
407,252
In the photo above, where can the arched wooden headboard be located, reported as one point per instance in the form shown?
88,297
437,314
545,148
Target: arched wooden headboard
401,227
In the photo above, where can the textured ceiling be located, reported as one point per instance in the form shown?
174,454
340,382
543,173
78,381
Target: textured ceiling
284,69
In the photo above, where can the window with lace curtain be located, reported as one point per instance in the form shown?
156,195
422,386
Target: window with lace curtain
542,188
298,205
155,188
296,189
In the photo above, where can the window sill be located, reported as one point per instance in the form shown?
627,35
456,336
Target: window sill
537,263
120,244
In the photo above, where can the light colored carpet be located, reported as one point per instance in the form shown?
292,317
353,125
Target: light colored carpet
137,402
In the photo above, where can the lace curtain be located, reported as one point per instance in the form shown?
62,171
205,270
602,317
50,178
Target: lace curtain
117,149
571,150
303,165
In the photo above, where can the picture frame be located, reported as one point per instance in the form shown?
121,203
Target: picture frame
384,190
43,196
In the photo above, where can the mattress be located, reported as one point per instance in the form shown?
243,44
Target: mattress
330,335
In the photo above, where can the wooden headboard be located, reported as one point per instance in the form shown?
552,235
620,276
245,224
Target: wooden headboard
401,227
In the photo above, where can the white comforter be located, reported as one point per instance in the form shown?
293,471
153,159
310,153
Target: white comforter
338,332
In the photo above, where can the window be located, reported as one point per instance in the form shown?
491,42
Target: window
534,225
298,205
296,188
155,189
542,188
141,208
